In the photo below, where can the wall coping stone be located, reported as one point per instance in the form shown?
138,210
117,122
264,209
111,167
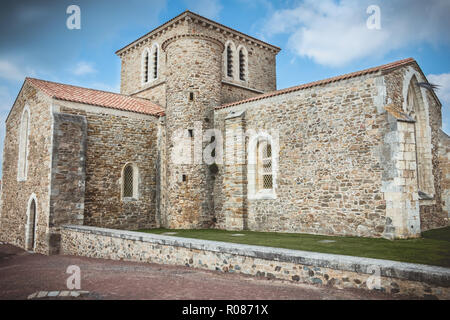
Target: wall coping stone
409,271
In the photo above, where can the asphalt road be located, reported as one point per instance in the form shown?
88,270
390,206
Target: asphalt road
23,273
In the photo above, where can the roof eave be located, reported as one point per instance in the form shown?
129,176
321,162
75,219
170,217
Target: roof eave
195,16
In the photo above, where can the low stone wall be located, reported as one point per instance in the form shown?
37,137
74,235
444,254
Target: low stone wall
337,271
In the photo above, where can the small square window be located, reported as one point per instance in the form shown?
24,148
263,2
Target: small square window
184,178
191,96
191,133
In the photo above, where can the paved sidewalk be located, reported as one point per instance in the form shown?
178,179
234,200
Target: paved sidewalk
23,274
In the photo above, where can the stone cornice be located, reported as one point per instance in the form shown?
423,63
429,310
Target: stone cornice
195,18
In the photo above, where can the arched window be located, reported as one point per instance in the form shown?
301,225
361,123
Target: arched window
243,63
23,145
264,166
155,54
415,108
229,59
145,65
229,62
130,182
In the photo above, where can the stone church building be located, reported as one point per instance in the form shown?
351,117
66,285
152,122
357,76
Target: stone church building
361,154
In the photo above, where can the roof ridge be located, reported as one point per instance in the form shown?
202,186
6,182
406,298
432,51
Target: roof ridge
345,76
75,86
96,97
86,88
188,12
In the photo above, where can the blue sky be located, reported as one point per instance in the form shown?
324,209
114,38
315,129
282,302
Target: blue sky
319,39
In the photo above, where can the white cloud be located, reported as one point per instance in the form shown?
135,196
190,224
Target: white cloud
83,68
207,8
12,72
443,81
334,33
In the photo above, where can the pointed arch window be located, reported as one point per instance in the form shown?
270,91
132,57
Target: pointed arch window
229,59
415,108
23,144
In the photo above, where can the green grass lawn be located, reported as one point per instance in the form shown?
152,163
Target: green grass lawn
432,249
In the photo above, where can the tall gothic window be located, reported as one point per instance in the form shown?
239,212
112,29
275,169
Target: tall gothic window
416,109
23,144
130,182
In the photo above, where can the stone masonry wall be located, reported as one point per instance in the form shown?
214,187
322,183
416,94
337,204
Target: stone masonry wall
329,172
431,213
235,176
193,90
261,63
444,161
156,94
68,174
113,140
231,93
16,194
296,266
399,181
131,72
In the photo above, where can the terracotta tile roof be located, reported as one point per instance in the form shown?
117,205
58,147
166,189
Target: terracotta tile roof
322,82
96,97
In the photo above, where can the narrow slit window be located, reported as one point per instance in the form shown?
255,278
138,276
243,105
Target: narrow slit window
23,145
